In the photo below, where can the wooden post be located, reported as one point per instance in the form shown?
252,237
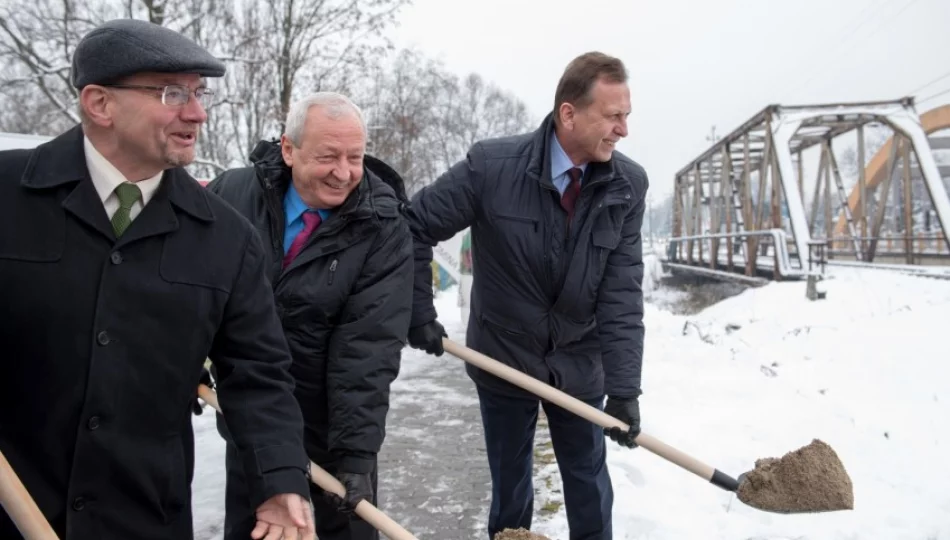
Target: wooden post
699,210
862,192
677,214
719,208
801,177
829,225
692,216
747,205
777,223
815,199
908,207
885,190
759,207
727,196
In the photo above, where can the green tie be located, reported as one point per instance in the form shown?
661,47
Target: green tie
127,194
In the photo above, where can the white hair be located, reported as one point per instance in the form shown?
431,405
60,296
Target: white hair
333,104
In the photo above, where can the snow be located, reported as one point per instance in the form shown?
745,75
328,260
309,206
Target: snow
756,375
865,370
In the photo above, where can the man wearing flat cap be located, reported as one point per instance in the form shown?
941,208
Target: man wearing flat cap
119,275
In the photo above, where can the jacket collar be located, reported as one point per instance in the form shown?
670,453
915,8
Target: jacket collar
57,162
62,161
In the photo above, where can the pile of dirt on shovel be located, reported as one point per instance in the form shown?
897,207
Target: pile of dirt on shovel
519,534
810,479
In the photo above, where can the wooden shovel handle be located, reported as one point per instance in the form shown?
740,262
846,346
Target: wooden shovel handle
328,482
21,508
578,407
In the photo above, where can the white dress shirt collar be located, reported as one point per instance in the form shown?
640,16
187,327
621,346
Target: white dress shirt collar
105,177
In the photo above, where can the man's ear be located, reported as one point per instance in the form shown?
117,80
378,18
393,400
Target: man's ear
97,105
566,114
287,150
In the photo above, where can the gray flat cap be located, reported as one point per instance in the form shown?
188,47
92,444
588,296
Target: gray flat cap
123,47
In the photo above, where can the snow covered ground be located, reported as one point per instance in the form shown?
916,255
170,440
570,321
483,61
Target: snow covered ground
757,375
865,370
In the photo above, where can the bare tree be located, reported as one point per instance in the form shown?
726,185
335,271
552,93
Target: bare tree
423,118
37,40
471,110
401,117
312,42
275,50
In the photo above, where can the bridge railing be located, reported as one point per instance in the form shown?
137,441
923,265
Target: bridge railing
771,253
916,248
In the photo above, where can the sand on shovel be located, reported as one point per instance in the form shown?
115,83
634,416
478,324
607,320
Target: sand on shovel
519,534
810,479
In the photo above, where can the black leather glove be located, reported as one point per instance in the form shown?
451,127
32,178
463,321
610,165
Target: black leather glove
206,380
428,337
359,487
627,410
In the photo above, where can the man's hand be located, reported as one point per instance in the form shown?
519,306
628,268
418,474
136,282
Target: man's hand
359,487
428,337
627,410
284,517
205,380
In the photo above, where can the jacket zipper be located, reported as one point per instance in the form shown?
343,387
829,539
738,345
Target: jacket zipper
275,220
333,266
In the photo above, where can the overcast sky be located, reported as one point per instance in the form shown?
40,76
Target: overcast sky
694,63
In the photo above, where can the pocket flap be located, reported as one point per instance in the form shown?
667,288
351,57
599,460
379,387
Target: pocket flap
186,261
605,238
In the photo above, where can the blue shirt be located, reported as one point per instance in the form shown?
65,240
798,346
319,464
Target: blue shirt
294,207
560,164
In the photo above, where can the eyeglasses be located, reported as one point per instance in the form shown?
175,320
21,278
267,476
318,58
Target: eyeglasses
173,95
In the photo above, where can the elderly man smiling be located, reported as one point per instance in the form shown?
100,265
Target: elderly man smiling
340,259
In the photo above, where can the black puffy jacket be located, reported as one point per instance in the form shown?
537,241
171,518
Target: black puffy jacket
566,308
345,302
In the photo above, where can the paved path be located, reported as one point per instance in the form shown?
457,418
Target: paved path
434,477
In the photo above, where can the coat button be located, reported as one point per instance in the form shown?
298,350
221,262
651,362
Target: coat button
79,503
116,258
103,338
93,423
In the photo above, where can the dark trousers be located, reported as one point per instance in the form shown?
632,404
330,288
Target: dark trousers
239,518
581,453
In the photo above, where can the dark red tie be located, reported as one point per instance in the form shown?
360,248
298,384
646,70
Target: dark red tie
571,192
311,220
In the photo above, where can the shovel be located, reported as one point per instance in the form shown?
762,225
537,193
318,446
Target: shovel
328,482
779,495
21,508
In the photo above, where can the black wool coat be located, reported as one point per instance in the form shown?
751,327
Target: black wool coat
103,342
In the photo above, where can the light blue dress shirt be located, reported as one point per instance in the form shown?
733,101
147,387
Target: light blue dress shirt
560,164
294,207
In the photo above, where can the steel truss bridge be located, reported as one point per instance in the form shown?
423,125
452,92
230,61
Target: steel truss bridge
740,212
